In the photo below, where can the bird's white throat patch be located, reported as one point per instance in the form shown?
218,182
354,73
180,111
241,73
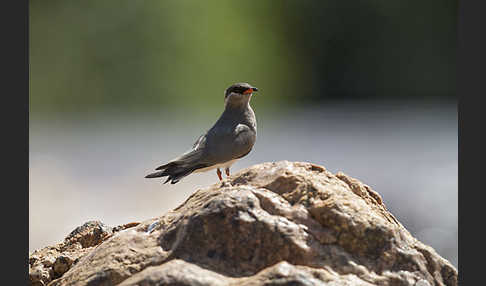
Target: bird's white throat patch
237,97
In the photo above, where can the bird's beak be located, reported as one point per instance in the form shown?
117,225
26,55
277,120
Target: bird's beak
250,90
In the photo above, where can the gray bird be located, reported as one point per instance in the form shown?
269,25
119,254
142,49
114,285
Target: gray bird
231,138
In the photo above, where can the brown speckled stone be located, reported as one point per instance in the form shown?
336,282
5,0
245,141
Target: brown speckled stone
283,223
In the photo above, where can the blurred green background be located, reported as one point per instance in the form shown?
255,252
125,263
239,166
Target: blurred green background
117,88
133,55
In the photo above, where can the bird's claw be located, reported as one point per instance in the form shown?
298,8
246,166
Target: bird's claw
226,183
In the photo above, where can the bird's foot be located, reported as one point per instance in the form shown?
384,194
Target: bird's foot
218,171
226,183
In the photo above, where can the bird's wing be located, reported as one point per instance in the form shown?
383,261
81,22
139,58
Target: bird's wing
245,137
190,157
200,142
225,144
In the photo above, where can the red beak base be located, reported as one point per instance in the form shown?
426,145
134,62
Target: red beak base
248,91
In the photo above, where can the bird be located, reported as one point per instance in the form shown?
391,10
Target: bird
230,138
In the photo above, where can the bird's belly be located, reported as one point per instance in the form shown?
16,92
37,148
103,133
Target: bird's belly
220,165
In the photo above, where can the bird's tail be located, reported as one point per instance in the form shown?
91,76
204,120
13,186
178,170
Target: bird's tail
174,171
180,167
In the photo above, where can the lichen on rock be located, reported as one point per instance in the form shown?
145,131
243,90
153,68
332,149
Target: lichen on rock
283,223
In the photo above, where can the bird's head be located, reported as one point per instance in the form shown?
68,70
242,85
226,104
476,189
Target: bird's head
238,94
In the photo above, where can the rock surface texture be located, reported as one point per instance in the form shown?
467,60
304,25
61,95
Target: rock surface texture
283,223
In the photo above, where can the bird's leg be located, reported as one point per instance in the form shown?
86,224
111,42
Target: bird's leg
218,171
227,172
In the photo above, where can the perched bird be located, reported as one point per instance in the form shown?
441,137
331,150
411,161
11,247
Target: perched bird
231,138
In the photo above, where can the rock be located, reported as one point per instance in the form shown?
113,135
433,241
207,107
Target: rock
38,276
179,272
89,234
176,272
52,262
271,224
61,265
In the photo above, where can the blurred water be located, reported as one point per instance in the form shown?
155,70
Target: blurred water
92,167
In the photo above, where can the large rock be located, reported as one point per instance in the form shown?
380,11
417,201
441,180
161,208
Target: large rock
271,224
